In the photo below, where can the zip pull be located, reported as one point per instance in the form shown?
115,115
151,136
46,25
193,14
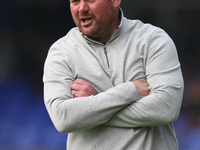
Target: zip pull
105,51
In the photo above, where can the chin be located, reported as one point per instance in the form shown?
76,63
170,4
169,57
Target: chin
87,34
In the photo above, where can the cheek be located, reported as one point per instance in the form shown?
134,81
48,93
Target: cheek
73,11
74,14
104,11
106,16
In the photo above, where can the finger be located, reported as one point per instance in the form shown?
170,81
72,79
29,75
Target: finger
75,86
76,94
93,92
80,81
73,92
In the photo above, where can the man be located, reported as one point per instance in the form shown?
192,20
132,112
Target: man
113,83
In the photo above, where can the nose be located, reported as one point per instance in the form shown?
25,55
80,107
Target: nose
83,7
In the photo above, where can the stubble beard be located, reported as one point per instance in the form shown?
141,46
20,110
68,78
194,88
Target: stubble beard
99,32
94,32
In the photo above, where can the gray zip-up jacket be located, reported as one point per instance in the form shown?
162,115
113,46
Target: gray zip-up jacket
115,119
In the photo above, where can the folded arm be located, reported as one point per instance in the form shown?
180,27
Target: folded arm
165,82
80,88
163,74
70,114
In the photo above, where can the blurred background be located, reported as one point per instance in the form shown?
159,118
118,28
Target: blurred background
27,30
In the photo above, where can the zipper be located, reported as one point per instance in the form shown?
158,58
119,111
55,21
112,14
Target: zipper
105,51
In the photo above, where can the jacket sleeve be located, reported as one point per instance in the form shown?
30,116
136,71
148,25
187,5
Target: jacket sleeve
69,114
163,74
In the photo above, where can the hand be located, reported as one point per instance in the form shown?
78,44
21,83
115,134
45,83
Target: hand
142,88
81,88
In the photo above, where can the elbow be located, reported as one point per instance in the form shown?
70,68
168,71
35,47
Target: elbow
165,118
171,107
173,110
60,118
61,125
170,115
59,121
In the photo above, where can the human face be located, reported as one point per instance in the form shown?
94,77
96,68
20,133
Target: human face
96,19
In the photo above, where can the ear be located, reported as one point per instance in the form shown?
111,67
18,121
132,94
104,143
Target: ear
116,3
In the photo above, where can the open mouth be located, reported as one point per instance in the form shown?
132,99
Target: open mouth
86,20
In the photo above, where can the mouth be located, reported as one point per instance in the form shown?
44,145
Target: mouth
86,21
